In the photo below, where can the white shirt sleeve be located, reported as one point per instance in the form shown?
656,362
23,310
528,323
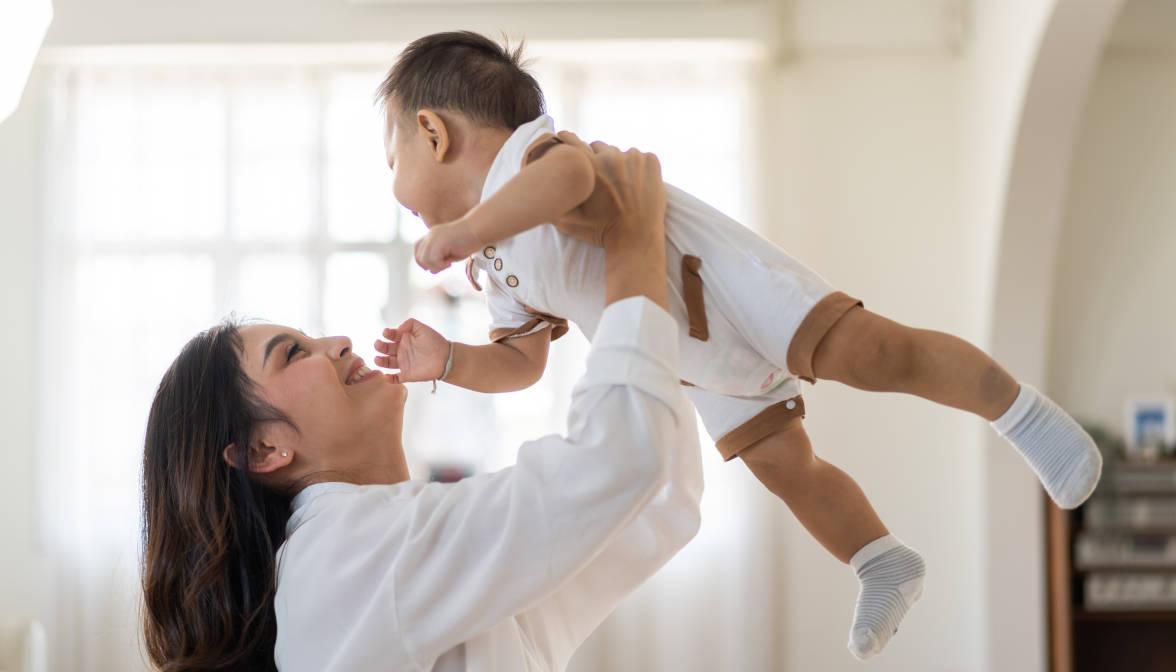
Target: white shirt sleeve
505,310
562,622
491,547
511,319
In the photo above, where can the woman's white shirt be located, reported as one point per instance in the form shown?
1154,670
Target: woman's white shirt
508,571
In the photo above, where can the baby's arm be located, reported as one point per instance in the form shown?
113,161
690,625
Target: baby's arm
544,190
420,353
510,365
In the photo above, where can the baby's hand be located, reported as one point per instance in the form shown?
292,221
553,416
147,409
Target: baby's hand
445,244
415,349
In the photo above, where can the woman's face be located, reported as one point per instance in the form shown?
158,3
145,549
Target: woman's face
348,418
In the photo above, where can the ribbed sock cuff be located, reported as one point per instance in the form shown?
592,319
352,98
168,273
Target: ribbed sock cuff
874,549
1021,407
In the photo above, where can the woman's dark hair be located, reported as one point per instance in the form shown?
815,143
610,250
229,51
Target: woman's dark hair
467,73
211,533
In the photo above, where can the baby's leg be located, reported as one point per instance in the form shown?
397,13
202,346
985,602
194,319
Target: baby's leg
830,504
870,352
833,508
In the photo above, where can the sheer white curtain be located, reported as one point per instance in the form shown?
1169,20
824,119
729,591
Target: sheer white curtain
184,193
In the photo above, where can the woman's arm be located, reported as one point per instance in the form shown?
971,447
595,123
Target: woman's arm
565,619
491,547
560,624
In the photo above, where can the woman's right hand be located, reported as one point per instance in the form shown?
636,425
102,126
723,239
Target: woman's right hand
416,349
629,206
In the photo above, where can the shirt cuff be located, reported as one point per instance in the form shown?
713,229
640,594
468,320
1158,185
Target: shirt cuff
636,323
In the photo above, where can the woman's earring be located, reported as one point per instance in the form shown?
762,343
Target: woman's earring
285,454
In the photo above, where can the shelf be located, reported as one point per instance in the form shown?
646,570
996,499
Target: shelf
1144,464
1125,615
1138,569
1139,530
1104,637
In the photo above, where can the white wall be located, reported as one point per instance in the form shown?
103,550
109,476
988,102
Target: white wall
336,21
862,181
1114,312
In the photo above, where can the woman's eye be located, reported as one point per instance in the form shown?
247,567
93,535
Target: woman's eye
294,349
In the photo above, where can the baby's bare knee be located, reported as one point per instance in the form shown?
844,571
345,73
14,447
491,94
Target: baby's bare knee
889,360
870,352
784,456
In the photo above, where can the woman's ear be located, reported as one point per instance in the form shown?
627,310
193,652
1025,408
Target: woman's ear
431,127
264,456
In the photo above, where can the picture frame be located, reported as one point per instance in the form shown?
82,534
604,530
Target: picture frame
1149,426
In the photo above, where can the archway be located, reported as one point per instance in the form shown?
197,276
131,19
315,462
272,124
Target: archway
1030,218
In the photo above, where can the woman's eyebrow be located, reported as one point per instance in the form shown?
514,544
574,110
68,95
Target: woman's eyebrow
273,343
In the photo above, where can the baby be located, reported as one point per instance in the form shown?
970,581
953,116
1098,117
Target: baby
475,157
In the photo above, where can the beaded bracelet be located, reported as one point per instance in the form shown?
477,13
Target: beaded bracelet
445,371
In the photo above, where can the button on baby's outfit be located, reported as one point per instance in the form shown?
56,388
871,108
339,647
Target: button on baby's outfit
790,404
498,264
512,281
490,252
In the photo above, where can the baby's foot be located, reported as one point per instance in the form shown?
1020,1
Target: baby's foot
892,581
1060,452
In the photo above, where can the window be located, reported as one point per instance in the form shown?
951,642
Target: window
182,193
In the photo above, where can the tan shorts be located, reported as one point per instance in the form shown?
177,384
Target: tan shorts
735,423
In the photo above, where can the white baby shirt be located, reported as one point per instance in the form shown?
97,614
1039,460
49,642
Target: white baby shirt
755,294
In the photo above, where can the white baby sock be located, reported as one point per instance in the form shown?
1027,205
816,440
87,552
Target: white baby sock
1060,452
892,581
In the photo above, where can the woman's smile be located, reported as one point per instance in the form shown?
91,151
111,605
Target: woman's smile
359,373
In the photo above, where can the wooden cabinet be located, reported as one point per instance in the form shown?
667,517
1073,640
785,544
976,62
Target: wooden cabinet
1112,574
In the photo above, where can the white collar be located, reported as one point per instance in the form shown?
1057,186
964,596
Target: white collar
301,509
300,506
313,492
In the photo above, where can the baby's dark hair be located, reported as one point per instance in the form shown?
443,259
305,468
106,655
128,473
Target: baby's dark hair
466,73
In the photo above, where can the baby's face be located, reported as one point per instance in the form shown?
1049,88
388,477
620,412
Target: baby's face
417,179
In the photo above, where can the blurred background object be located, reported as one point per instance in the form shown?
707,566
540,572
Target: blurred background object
23,647
22,27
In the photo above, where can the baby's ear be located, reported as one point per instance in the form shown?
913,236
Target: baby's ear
431,128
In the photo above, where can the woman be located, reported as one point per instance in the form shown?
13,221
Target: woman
282,531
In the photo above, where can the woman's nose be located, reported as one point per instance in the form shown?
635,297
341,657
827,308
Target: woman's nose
338,347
